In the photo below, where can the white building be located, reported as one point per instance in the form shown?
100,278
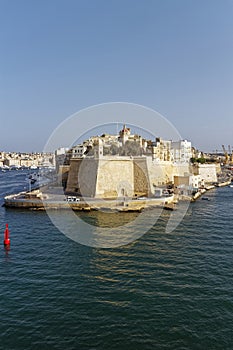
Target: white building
161,151
61,150
79,151
12,162
181,151
207,172
188,183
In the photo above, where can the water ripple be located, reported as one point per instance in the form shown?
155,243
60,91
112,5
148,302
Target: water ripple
165,291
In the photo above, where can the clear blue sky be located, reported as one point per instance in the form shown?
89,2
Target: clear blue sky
57,57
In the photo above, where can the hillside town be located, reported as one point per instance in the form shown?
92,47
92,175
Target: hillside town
15,160
119,169
98,166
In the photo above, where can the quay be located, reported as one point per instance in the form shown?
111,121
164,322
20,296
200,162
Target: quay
209,187
36,200
222,184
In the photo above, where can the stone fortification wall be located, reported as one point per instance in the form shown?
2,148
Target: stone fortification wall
82,177
208,172
218,168
182,169
63,174
141,177
160,173
112,177
72,181
115,177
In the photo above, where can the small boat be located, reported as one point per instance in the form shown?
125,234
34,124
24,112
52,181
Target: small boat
205,199
170,206
231,186
5,167
33,167
32,178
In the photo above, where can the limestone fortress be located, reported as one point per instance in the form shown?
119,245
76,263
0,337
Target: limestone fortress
126,165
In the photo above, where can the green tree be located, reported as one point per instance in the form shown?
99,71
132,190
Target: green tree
114,149
130,148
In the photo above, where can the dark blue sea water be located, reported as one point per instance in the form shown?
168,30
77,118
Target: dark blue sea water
164,291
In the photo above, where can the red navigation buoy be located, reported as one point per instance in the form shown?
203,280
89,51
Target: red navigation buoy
7,241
